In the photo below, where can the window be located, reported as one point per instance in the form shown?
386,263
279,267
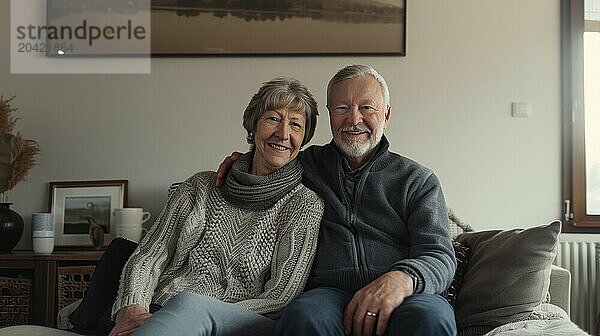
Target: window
581,117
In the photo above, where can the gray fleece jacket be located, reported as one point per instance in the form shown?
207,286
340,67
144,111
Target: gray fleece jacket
390,214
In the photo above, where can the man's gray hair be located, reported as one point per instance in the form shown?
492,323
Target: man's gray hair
278,93
357,70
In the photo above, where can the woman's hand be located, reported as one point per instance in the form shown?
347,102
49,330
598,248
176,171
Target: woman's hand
128,319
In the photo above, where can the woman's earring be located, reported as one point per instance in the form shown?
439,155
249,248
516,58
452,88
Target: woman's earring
250,138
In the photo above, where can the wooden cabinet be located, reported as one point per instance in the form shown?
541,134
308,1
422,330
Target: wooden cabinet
51,276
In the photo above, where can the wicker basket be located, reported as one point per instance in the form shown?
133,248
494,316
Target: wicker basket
73,281
15,294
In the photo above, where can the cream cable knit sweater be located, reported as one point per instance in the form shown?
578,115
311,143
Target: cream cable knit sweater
200,243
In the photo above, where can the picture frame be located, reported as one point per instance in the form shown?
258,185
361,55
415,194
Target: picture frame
271,28
75,203
293,28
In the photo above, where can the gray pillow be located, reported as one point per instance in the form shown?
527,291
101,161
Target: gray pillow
508,274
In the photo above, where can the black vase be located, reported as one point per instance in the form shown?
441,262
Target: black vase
11,228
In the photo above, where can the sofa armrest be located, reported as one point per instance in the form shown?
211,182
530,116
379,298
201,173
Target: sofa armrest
62,318
560,288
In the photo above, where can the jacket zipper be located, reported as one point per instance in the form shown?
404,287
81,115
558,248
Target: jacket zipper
359,245
351,212
350,223
357,248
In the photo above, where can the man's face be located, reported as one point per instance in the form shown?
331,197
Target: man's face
358,115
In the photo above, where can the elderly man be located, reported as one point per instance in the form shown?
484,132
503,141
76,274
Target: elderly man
384,253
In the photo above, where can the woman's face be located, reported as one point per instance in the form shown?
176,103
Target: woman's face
277,139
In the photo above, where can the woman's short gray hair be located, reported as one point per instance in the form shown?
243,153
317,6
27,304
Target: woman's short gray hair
278,93
357,70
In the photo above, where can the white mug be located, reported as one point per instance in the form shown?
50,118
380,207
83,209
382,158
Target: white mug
42,221
131,216
133,233
42,241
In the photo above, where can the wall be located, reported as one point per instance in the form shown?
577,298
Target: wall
467,60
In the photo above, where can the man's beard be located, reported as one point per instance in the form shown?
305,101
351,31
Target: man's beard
352,146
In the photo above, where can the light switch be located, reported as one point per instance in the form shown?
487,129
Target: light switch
520,110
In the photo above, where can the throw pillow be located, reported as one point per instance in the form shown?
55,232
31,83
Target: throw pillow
507,276
462,252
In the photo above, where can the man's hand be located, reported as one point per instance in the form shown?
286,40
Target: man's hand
128,319
224,168
380,297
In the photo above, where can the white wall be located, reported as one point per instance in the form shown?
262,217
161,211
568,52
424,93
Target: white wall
467,60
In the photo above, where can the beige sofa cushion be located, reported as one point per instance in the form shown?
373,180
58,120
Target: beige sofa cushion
33,330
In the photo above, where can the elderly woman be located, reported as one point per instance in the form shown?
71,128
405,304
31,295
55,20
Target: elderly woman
218,260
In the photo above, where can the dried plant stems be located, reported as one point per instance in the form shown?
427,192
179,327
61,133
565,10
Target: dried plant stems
7,122
24,161
17,155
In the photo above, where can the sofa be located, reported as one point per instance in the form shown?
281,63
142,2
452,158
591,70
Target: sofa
505,284
508,284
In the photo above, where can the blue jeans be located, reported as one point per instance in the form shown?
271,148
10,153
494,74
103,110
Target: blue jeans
320,311
200,315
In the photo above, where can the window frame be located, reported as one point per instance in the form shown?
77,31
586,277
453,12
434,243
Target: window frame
575,218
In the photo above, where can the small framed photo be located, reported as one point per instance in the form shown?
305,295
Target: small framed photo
75,204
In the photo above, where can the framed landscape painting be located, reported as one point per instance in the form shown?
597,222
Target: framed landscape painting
293,27
243,27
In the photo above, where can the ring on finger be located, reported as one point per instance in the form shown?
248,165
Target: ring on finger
371,314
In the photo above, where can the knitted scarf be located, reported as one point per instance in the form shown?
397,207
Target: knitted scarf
256,192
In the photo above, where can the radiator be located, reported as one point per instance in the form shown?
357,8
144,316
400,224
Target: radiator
580,254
